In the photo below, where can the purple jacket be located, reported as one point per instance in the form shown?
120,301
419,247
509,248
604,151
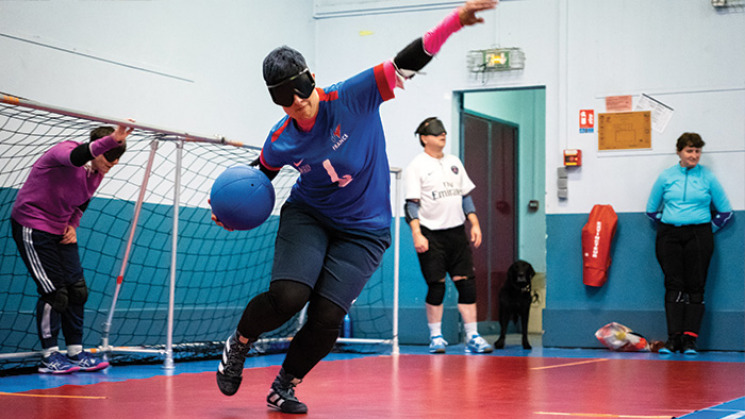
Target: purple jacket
51,197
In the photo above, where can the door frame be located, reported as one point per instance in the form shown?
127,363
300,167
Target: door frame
491,293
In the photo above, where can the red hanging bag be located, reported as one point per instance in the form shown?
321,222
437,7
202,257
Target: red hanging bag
597,236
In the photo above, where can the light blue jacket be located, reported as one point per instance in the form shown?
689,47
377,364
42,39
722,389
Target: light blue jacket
683,196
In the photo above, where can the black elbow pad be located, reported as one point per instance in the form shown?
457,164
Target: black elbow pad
412,58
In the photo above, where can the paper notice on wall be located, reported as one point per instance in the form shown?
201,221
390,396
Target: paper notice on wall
661,113
624,131
618,103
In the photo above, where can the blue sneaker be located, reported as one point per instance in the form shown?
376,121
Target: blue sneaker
437,344
478,345
56,363
689,345
87,362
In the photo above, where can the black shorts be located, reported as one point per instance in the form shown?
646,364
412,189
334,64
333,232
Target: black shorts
335,263
449,253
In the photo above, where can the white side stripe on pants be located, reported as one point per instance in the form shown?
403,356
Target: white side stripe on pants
36,266
46,329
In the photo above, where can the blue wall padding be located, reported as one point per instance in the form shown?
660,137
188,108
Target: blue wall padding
634,292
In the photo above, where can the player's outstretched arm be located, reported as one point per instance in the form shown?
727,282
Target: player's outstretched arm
467,12
419,53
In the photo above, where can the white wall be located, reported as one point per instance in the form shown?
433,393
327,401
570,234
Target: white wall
198,68
185,65
683,53
348,44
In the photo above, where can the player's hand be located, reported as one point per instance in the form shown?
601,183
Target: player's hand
467,12
476,235
70,236
421,244
214,218
121,132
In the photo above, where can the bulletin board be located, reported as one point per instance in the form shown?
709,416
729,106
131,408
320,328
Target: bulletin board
625,130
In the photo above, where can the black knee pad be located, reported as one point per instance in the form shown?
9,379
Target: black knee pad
288,297
59,300
78,292
325,313
466,290
696,298
676,297
436,293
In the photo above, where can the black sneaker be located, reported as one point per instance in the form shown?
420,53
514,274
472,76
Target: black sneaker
688,346
231,365
671,346
282,395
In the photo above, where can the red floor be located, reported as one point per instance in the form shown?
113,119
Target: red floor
412,386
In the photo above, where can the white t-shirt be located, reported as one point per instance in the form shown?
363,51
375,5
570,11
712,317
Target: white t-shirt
439,185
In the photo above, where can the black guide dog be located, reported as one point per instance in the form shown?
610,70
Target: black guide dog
515,298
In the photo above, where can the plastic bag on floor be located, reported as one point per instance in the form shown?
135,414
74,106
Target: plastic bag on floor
618,337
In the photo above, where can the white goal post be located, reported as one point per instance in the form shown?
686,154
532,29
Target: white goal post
148,226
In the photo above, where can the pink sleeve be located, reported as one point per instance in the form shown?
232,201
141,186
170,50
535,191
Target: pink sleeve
389,70
434,39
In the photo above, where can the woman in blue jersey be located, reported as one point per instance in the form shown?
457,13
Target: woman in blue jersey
681,203
335,226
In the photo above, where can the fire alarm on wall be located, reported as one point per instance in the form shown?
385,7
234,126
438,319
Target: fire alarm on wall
573,158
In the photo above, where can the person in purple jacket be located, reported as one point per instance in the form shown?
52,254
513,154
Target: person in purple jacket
44,218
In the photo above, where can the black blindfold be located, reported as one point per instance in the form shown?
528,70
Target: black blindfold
434,127
301,84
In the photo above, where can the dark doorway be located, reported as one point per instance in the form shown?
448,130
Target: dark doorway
489,155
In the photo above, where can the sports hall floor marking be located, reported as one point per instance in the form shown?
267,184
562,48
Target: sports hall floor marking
571,364
602,415
53,396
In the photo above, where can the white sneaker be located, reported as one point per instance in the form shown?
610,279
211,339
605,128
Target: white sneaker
437,344
478,345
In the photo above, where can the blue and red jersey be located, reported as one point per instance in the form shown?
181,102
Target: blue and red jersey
344,172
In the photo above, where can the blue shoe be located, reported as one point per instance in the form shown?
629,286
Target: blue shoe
478,345
437,344
689,345
56,363
87,362
672,345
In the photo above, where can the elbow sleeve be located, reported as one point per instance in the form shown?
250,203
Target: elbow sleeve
411,59
411,210
468,206
81,155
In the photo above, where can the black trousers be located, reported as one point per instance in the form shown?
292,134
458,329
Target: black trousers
53,266
684,254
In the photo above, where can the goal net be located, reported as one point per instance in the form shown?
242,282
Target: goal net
156,295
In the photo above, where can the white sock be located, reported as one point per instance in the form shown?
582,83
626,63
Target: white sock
435,329
73,350
471,329
48,351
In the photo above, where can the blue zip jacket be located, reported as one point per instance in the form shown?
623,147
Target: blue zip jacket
683,196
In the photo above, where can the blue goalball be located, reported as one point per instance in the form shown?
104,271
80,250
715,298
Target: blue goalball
242,197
